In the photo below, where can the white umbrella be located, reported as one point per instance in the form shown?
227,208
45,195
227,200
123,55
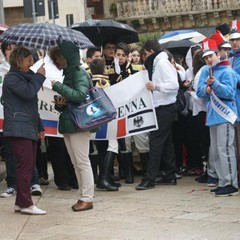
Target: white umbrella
188,34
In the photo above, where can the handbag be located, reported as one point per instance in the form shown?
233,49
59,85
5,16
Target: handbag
95,110
181,101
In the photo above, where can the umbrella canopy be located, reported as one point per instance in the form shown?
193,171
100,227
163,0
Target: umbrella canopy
43,36
3,27
99,31
177,44
189,34
179,47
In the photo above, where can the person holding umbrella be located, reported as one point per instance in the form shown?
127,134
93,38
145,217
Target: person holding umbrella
74,88
10,161
22,125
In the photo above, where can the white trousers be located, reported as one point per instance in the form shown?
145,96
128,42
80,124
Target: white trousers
141,142
113,145
78,148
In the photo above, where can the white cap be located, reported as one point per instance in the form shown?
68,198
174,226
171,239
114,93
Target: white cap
208,53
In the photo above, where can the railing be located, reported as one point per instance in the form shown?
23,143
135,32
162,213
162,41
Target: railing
161,8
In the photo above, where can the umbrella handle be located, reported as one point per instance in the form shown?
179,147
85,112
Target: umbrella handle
44,54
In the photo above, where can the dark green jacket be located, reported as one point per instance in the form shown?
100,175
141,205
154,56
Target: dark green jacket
74,87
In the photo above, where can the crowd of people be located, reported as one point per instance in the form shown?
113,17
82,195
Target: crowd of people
199,139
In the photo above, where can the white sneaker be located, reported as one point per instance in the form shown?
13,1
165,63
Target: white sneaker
33,211
36,190
8,193
17,209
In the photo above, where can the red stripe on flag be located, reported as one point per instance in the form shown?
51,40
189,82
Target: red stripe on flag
1,123
49,130
121,127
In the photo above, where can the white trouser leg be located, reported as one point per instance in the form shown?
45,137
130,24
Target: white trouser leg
78,148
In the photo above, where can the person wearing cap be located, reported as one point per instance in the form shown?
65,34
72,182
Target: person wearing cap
234,39
224,46
218,83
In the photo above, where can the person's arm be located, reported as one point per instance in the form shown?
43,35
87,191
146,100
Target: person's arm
227,87
203,90
78,89
165,77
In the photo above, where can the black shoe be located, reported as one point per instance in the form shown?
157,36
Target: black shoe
64,187
215,190
226,191
145,185
115,184
74,185
104,184
202,179
164,181
115,178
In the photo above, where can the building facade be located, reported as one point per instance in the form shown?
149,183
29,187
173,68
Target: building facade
166,15
68,11
143,15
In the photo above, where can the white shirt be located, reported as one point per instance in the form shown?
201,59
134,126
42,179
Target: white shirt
165,79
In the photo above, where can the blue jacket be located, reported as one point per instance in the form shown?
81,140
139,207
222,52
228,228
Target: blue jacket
235,63
224,87
20,104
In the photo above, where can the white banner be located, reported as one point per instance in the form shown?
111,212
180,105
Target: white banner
133,102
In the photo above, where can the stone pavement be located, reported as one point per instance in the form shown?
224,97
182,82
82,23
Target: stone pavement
186,211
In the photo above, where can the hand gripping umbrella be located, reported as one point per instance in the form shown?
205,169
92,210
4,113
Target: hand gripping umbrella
43,36
99,31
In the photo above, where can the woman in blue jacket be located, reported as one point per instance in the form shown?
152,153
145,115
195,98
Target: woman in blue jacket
22,125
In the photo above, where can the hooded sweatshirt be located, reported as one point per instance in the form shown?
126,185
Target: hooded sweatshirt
74,88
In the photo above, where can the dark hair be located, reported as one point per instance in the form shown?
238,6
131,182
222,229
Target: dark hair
4,47
152,45
194,49
90,52
97,66
170,55
198,62
108,42
17,56
124,47
34,52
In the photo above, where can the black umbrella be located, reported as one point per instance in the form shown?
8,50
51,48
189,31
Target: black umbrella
180,46
99,31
